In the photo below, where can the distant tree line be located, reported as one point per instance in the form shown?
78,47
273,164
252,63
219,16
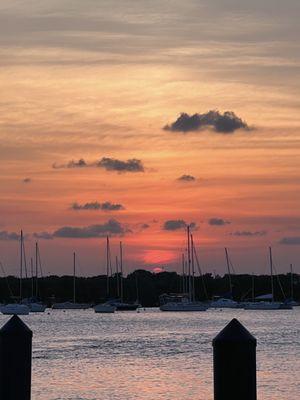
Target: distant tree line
146,287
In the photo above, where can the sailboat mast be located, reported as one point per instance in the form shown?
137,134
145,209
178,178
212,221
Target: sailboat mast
253,293
200,272
74,277
292,283
36,269
21,264
32,277
183,273
121,270
228,270
271,268
193,268
107,266
117,277
137,288
189,262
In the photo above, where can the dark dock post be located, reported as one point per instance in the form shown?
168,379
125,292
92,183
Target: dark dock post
234,351
15,360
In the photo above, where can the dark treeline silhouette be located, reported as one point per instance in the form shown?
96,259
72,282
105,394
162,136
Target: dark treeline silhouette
146,287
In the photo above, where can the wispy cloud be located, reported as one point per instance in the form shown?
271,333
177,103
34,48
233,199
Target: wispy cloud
4,235
176,224
290,240
110,228
218,222
113,164
186,178
107,163
145,226
218,122
43,235
249,233
106,206
81,163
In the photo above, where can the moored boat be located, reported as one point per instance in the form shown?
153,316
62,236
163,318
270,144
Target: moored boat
34,305
15,309
223,303
266,302
262,305
105,308
37,307
18,308
68,305
123,306
180,302
184,301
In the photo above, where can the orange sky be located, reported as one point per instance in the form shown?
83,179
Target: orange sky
101,79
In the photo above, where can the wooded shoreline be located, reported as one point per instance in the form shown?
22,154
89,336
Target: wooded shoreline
146,287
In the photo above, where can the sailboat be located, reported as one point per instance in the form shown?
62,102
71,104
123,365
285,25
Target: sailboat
223,302
184,301
291,300
33,303
120,304
266,302
106,308
17,308
71,305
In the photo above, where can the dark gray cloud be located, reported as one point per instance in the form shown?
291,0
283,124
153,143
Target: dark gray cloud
81,163
110,228
26,180
113,164
87,206
249,233
106,206
4,235
108,163
186,178
290,240
221,123
43,235
218,222
176,224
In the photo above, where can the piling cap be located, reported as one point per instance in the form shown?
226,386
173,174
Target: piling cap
234,332
15,326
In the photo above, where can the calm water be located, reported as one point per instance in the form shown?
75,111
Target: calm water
80,355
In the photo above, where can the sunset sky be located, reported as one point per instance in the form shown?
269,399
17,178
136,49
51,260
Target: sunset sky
93,142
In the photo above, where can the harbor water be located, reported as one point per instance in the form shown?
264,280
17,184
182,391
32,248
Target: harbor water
146,355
